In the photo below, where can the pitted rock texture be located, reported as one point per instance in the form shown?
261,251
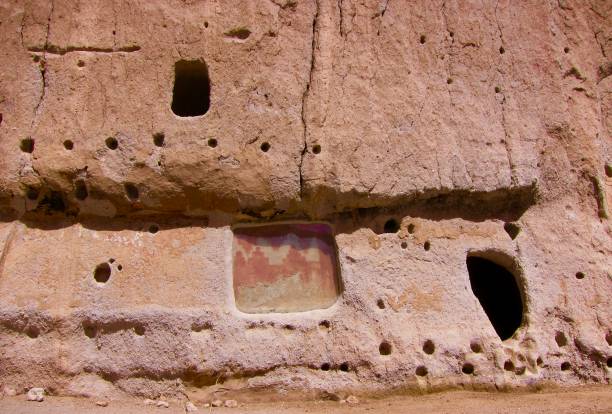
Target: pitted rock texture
426,134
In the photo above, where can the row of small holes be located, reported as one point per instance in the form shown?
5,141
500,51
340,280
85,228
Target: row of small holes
27,144
344,367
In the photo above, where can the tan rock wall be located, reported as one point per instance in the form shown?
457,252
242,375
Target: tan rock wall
451,118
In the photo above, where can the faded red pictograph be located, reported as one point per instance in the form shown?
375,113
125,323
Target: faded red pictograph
287,267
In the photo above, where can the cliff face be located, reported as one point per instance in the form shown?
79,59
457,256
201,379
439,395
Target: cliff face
458,152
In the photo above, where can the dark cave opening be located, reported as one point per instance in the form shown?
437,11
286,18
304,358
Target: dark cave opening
498,293
191,93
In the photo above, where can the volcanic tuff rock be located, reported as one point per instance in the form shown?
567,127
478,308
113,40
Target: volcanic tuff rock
446,144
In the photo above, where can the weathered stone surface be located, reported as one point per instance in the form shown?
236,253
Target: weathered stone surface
426,134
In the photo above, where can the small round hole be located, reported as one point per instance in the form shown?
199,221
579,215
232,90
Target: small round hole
119,267
421,371
89,330
411,228
139,330
325,366
212,143
27,145
429,347
509,365
385,348
102,272
380,303
422,39
69,145
539,361
566,49
451,34
111,260
153,228
32,332
316,149
609,362
131,191
560,339
206,24
608,169
391,226
111,143
565,366
502,50
449,81
404,245
265,147
427,245
476,347
158,139
344,367
579,275
80,63
467,368
497,89
32,193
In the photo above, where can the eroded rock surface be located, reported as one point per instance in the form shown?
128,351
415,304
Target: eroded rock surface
138,137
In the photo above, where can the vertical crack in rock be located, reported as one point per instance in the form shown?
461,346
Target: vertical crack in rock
43,69
513,178
306,93
114,26
341,18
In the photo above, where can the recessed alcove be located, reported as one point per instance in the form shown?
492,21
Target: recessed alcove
191,93
285,267
494,284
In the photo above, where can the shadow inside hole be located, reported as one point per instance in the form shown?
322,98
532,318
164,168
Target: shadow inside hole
467,368
560,339
385,348
391,226
32,332
27,145
159,139
90,330
131,191
498,293
191,93
111,143
102,273
512,229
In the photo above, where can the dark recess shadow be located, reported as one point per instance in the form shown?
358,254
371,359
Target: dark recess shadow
507,205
